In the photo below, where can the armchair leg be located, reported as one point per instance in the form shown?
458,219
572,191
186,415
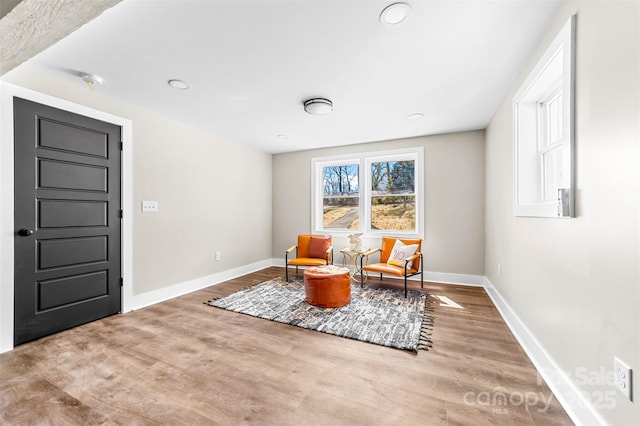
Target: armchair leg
286,266
405,286
421,274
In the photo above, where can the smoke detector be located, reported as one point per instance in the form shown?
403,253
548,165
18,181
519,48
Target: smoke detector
91,79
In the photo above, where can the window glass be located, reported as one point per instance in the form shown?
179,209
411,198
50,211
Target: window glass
340,197
550,146
393,206
551,173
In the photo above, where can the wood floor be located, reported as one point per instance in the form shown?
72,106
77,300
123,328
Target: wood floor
184,362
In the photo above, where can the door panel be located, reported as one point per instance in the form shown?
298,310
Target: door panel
67,191
65,213
59,175
67,137
63,291
71,251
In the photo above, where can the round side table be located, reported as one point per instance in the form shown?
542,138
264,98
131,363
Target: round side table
351,259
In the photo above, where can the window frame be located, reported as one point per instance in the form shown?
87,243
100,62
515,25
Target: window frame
555,69
364,161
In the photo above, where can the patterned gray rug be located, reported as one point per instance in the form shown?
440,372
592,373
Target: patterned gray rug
379,316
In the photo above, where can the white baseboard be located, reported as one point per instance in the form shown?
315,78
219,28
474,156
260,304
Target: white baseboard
460,279
432,276
570,397
166,293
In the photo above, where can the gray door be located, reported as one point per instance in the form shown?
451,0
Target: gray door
67,220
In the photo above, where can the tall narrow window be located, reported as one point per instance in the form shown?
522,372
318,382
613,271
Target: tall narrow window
340,196
543,118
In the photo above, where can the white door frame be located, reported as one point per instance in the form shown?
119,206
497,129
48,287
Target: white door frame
7,231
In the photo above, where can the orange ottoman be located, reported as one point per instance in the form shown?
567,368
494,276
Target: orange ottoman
327,286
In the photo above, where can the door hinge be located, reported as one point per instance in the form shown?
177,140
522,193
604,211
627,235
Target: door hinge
121,282
121,214
121,146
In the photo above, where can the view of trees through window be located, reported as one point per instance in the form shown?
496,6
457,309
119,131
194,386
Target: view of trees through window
393,200
341,197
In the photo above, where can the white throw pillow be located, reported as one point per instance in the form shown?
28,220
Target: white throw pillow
400,252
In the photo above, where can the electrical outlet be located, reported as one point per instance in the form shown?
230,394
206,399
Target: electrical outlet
149,206
623,377
218,255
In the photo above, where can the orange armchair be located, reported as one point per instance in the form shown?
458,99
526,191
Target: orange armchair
406,267
311,250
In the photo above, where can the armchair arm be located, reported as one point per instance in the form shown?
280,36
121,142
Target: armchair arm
370,252
290,249
367,254
286,257
412,258
329,254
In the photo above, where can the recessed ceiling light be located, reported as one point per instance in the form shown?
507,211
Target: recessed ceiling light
394,13
415,116
318,106
282,136
179,84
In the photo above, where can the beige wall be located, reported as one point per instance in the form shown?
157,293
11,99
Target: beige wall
213,194
575,282
454,198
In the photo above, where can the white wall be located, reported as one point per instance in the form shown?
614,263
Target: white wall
213,194
453,191
575,283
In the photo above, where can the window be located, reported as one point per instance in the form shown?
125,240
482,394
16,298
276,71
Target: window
340,196
543,133
388,201
392,199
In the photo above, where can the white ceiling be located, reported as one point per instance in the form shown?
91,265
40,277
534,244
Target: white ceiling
252,63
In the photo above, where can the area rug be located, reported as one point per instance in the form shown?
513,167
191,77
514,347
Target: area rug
381,316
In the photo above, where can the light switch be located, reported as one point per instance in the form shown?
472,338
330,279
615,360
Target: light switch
149,206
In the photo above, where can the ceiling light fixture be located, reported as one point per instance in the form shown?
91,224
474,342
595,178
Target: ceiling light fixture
415,116
282,136
394,13
318,106
179,84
